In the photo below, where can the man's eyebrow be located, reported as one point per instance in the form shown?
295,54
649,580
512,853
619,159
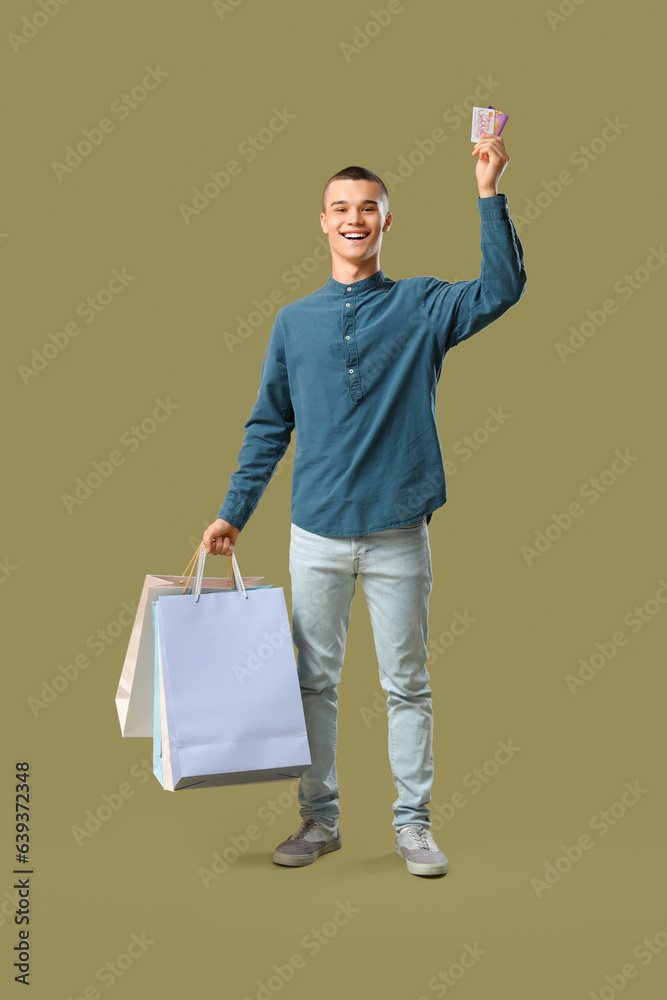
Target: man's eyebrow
366,201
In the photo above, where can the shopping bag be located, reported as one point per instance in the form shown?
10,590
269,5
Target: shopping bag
157,719
161,757
230,702
134,697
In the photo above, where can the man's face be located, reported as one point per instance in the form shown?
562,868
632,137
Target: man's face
355,207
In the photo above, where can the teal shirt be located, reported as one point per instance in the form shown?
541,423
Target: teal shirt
353,371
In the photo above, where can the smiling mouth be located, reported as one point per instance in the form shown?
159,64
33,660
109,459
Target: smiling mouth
354,237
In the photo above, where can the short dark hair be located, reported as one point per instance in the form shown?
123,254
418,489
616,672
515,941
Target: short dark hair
355,174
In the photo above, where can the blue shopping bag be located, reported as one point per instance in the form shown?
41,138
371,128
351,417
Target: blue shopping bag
230,709
134,697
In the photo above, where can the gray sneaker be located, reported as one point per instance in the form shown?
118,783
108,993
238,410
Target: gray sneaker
313,838
416,845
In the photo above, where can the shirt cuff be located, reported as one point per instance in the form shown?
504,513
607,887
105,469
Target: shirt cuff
495,207
235,514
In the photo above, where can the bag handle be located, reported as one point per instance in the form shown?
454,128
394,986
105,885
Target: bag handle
193,570
198,570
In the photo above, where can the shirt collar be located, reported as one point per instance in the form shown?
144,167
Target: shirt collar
355,286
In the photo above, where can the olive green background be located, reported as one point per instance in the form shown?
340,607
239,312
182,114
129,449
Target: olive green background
67,574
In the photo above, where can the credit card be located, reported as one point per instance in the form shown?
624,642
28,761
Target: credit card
501,120
487,120
483,120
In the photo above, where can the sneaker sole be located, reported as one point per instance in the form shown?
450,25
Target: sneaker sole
422,868
298,860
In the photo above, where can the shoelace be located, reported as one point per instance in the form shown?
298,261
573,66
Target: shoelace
419,836
306,826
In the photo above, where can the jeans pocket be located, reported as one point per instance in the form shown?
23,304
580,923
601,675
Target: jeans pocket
415,524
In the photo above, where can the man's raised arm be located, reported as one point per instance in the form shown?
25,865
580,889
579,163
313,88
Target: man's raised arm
457,310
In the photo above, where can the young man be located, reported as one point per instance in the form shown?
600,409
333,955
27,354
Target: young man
353,368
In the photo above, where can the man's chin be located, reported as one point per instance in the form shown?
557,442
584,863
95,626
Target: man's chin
354,252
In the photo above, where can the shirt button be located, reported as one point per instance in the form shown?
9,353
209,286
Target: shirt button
347,304
351,371
347,336
349,289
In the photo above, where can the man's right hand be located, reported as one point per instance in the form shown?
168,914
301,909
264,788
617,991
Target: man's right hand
220,538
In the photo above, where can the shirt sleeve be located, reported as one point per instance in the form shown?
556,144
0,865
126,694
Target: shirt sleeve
267,434
456,310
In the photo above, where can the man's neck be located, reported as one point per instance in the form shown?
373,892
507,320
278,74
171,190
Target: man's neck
347,273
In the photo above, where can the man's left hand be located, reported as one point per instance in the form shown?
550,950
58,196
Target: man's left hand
493,158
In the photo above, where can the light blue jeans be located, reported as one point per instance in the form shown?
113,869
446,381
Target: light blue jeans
396,577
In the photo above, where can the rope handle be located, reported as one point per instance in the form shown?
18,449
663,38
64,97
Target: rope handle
195,556
199,559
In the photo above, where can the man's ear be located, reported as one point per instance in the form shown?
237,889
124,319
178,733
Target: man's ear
323,222
387,222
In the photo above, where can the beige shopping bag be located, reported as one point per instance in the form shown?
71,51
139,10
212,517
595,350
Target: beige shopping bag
134,697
